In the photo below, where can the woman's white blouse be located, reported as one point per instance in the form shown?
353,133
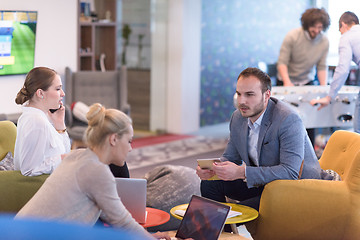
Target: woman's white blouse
38,146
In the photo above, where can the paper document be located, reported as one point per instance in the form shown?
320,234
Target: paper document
230,215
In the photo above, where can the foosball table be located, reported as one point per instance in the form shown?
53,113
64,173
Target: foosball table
340,113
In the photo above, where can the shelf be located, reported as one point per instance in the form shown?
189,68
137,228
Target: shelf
85,24
98,38
101,24
86,54
105,24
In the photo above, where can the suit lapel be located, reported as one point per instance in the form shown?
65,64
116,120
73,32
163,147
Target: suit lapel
265,124
244,138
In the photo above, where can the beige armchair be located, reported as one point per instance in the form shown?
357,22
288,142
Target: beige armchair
315,209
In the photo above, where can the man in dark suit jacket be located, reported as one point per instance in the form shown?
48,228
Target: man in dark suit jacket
268,141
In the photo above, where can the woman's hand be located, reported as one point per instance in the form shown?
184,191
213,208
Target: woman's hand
63,156
164,235
161,235
58,118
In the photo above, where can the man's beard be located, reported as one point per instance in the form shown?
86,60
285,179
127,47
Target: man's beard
256,110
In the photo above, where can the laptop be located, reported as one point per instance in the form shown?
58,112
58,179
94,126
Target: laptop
132,192
204,219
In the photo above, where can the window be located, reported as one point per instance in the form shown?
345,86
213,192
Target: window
335,9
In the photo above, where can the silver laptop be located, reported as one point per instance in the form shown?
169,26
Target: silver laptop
132,192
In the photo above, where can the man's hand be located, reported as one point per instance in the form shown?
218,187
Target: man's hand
288,84
284,75
204,174
322,101
229,171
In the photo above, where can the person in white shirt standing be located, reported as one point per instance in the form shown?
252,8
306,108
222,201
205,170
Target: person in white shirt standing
42,140
349,50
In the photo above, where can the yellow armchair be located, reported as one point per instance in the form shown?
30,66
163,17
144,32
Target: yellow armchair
315,209
7,138
15,189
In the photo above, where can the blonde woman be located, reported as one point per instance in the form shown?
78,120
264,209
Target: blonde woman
42,140
83,187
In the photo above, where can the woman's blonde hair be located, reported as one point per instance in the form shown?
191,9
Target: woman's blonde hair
103,122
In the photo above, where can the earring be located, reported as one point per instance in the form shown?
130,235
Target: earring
42,97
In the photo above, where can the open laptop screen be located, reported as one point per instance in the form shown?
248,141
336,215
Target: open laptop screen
204,219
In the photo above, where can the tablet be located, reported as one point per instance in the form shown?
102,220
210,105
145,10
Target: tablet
207,163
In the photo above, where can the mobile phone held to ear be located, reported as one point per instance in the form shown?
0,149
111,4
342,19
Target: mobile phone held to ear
54,110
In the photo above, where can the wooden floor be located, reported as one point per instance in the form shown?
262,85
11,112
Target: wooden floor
139,98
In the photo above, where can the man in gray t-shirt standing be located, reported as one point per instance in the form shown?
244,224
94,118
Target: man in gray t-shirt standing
303,49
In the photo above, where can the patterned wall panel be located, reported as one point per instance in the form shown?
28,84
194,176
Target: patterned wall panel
237,34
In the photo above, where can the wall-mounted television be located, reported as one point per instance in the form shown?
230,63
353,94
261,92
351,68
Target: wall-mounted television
17,41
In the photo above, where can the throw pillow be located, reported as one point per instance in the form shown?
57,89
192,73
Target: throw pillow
330,175
7,163
79,110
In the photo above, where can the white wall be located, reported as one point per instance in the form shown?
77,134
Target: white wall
336,9
175,73
56,43
159,48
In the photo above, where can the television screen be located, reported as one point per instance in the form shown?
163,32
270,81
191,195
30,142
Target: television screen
17,41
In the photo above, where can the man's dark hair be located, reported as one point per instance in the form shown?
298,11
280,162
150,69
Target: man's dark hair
348,18
313,15
262,76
